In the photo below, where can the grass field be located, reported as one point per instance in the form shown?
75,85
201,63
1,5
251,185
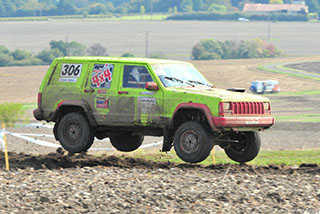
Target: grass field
174,39
264,158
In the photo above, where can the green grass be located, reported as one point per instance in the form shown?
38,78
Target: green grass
295,93
89,17
264,158
300,118
301,75
27,106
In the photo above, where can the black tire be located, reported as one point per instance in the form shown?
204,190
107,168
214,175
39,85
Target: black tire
126,142
193,142
247,148
75,133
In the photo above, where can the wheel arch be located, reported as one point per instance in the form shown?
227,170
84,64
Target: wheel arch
192,111
67,106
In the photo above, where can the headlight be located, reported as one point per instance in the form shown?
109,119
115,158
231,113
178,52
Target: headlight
266,106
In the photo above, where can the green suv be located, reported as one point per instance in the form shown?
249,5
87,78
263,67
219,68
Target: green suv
126,99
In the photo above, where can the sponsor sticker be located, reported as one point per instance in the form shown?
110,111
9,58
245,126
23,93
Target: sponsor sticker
102,75
102,103
147,93
146,104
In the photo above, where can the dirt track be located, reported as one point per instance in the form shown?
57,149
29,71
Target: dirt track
59,183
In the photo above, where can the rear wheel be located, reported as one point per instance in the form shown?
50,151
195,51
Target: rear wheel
126,142
74,133
246,149
193,142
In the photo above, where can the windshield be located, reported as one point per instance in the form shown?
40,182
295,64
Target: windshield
179,75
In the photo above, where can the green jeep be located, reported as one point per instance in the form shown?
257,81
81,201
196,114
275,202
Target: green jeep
126,99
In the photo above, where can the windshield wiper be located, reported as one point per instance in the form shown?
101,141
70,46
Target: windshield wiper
200,83
178,80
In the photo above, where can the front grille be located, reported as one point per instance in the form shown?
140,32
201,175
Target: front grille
245,108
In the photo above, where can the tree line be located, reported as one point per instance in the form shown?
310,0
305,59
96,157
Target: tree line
45,57
20,8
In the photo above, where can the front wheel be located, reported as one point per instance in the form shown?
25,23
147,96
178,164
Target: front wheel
247,147
193,141
126,142
74,132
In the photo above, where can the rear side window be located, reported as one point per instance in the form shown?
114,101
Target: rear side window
101,76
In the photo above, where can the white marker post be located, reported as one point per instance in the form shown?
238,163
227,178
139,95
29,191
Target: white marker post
5,147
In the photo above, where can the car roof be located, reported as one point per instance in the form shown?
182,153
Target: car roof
121,59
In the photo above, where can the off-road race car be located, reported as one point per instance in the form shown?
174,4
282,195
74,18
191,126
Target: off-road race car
126,99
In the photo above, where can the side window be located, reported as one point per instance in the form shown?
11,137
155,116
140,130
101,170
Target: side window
101,76
135,76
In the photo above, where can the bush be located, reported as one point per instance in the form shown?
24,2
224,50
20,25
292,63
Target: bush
97,50
208,49
127,55
11,113
156,55
47,56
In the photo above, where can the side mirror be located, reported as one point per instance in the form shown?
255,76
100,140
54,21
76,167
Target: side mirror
152,86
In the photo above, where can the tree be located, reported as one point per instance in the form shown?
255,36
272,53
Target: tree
186,5
313,6
142,10
31,5
4,50
127,55
175,9
65,7
97,50
217,8
97,8
69,48
47,56
9,7
275,2
5,60
197,5
2,9
207,49
21,54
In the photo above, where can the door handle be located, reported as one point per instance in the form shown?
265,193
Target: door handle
88,90
123,92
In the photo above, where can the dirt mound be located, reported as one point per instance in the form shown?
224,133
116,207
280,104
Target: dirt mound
60,160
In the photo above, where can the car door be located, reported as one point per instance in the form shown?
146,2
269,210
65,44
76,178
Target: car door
100,91
137,105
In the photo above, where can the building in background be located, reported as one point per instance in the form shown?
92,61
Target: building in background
283,8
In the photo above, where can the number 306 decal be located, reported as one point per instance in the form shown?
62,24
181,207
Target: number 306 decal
71,70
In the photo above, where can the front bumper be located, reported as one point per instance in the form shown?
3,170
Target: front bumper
230,122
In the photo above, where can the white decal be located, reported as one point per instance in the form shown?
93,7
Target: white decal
67,79
146,104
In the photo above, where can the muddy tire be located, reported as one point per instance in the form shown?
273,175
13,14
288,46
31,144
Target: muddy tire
75,133
126,142
247,148
193,142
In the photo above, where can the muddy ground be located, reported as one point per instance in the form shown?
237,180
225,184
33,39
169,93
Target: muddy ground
60,183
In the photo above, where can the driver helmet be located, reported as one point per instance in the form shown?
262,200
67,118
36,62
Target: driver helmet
135,73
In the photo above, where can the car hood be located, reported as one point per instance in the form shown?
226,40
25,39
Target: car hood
223,94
